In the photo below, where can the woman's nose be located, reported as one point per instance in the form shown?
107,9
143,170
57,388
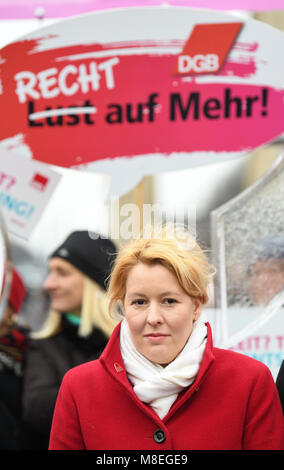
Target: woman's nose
50,282
154,314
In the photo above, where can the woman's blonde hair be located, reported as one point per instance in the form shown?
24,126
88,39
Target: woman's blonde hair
94,314
180,254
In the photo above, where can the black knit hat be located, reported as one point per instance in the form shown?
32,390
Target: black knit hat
92,255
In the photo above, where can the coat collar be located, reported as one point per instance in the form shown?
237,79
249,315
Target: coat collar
112,361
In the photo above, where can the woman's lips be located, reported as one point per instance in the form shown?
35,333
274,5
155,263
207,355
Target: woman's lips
55,296
156,336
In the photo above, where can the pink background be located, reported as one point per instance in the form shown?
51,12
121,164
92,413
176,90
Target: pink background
17,9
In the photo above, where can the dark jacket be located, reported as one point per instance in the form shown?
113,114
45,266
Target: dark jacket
46,363
232,404
280,384
14,434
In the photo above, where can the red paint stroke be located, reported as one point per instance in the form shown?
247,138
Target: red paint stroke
239,67
246,46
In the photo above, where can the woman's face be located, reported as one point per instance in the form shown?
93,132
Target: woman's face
266,280
159,313
64,284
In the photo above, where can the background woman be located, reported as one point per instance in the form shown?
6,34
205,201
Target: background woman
160,383
77,327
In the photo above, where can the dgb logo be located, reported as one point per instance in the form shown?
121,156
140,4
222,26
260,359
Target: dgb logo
198,63
207,48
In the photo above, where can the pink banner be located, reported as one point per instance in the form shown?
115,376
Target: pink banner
166,90
17,9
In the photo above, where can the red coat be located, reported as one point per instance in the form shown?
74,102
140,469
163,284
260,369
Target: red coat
233,404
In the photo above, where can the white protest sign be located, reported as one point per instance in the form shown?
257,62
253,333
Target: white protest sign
25,189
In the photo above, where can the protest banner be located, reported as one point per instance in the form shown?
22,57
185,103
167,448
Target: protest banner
138,91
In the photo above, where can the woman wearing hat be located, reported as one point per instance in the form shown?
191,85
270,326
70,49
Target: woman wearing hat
160,384
77,327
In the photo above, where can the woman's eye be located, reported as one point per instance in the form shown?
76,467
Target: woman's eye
138,302
170,301
62,272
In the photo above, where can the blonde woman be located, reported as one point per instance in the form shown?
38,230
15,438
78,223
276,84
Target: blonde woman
160,384
77,327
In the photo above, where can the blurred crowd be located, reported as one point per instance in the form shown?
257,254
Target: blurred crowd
76,329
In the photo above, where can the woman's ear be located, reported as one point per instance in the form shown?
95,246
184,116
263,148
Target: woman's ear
197,308
120,307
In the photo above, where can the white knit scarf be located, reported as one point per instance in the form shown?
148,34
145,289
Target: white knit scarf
156,385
